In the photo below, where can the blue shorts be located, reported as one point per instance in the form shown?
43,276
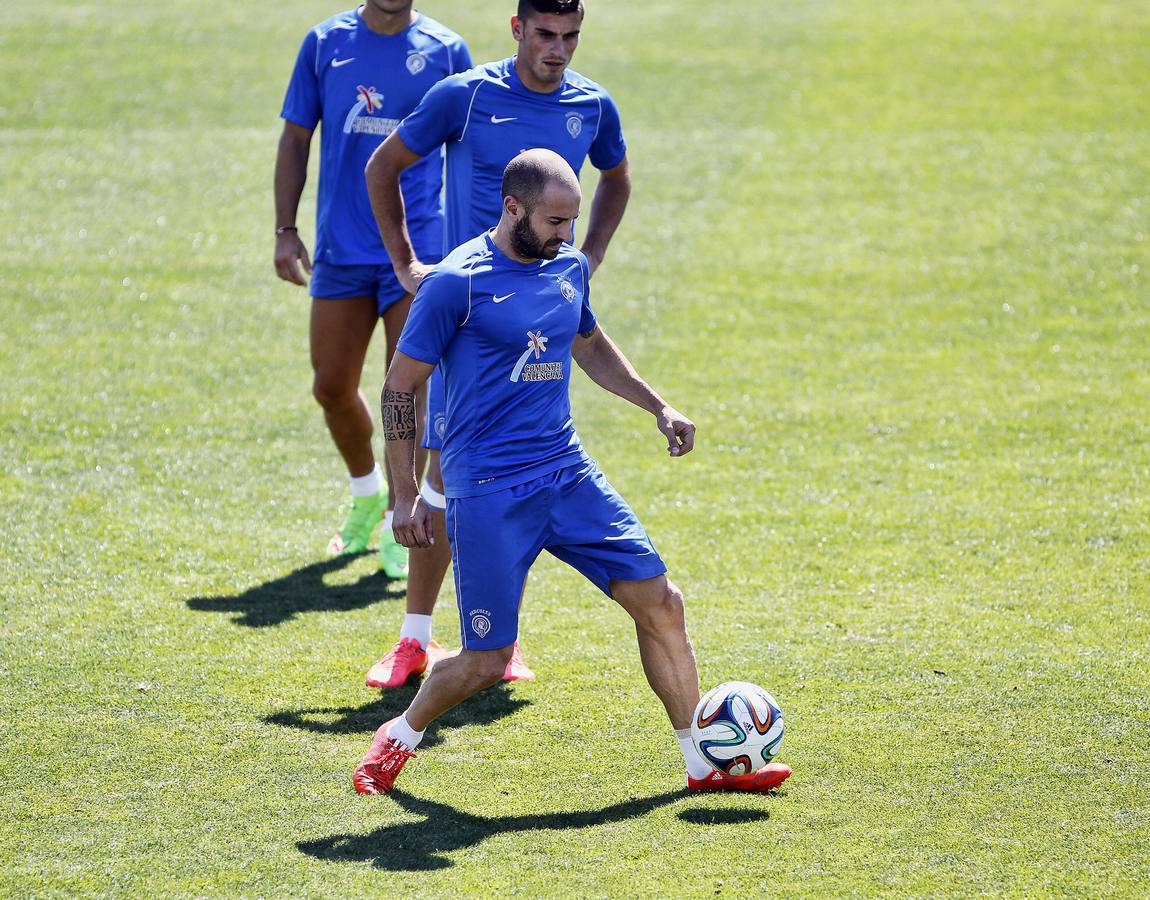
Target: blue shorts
436,411
572,513
333,282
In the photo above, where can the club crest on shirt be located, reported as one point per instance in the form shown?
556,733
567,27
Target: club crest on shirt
524,371
574,125
566,288
416,62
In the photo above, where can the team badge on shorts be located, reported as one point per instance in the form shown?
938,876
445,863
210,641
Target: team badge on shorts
481,623
416,62
574,125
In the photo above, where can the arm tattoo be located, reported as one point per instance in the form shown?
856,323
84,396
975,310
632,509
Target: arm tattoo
587,334
398,411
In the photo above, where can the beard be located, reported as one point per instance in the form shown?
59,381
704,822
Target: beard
526,243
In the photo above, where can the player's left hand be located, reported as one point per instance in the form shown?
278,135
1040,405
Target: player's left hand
412,523
677,429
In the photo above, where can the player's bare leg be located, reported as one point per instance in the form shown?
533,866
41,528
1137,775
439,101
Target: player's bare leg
452,681
339,335
429,564
656,606
427,569
393,558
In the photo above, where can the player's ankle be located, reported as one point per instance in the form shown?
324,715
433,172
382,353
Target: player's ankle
367,485
697,767
417,627
401,732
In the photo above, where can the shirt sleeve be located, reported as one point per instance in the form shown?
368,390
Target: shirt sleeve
608,149
587,319
440,116
461,57
441,306
302,103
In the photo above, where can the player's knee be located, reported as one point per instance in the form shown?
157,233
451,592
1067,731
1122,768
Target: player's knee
332,393
662,610
670,609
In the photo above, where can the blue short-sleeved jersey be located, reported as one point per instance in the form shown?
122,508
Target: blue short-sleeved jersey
360,84
502,332
486,117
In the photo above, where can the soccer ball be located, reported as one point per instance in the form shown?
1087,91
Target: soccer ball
737,727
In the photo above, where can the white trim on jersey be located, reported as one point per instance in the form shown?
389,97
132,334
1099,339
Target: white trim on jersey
470,106
598,123
446,46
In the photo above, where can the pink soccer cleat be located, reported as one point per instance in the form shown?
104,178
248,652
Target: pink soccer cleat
402,661
516,668
385,759
766,779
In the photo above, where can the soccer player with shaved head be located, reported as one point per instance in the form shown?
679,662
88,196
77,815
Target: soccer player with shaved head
503,316
484,118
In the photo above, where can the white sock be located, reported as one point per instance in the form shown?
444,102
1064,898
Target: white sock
418,627
388,517
697,767
367,485
404,733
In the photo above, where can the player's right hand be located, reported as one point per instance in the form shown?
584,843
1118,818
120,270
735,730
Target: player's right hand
290,255
412,524
410,276
678,430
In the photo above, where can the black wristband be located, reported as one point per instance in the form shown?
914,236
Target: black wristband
282,229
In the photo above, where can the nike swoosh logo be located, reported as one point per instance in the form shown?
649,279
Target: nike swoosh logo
498,120
495,299
336,63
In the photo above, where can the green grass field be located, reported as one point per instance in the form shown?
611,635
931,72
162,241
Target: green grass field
892,258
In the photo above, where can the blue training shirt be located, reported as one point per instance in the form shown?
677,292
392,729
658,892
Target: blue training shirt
486,117
360,84
502,332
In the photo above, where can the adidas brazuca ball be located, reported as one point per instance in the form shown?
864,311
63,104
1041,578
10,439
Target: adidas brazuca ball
737,727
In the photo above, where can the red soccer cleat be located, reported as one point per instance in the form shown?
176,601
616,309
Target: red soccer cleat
766,779
516,668
402,661
385,759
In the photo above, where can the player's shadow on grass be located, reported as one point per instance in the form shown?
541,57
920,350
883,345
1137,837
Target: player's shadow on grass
301,591
419,846
484,708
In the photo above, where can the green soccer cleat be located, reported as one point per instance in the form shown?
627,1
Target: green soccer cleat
363,515
392,556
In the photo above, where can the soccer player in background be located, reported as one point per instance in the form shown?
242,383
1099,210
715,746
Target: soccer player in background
503,316
484,118
359,73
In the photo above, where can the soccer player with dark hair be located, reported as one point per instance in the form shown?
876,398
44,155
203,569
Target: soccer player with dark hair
359,73
503,316
484,118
